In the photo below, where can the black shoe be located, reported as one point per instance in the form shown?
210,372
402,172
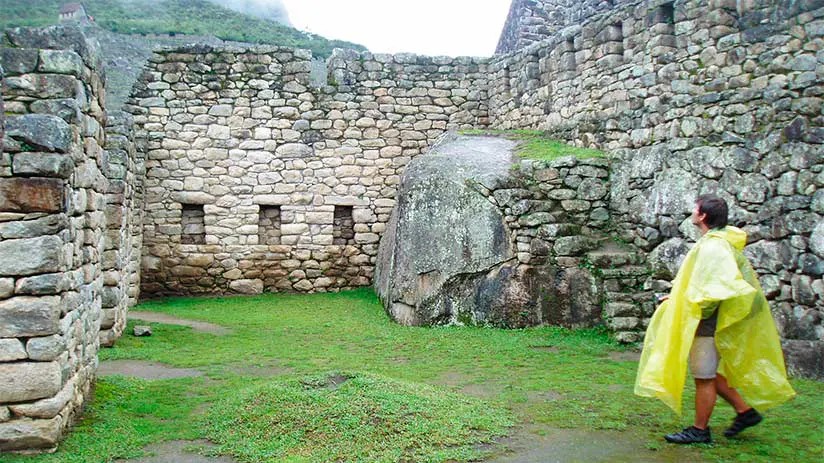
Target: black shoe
743,421
690,435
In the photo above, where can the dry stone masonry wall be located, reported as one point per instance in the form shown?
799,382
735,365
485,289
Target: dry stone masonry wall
257,180
531,21
123,240
52,198
693,97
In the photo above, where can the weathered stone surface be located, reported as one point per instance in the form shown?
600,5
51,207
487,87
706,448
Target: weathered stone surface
48,407
31,195
6,287
142,330
38,285
46,348
58,37
26,433
11,350
26,316
67,109
665,260
18,60
42,165
804,358
817,239
414,262
49,225
23,381
247,286
30,256
61,62
40,131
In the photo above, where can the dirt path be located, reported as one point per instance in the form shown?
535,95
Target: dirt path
178,452
549,445
143,369
203,327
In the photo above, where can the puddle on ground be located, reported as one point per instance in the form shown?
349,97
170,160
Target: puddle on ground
584,446
178,452
143,369
203,327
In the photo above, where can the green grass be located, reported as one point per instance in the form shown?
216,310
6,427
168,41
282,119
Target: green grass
364,418
194,17
534,144
438,394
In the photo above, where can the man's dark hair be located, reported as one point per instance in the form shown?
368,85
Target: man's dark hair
715,208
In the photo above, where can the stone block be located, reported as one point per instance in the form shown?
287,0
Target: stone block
60,62
30,256
42,165
247,286
11,350
40,285
18,60
31,195
48,407
573,245
26,433
294,150
6,287
40,131
45,348
27,316
25,381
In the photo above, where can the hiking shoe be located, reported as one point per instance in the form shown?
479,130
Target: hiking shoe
690,435
743,421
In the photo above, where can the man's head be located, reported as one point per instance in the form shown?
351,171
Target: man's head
710,212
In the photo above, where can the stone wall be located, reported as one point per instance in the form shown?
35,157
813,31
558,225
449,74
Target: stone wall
561,221
257,180
52,198
124,234
531,21
692,97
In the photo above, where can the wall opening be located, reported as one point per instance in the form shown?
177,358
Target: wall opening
269,225
667,13
343,227
568,57
192,219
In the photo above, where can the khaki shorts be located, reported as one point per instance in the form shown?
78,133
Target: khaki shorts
703,358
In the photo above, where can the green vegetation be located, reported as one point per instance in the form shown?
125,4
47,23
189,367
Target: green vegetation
437,394
194,17
534,144
355,417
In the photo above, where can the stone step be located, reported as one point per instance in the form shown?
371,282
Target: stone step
621,309
606,259
625,271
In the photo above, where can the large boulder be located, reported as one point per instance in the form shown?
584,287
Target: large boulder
443,228
448,255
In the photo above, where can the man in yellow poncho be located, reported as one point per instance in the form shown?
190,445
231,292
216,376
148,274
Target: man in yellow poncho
717,316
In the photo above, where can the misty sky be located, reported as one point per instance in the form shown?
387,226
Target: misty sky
428,27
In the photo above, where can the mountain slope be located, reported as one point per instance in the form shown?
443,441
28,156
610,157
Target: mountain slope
191,17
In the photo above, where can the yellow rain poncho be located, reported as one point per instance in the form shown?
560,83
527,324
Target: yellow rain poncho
714,271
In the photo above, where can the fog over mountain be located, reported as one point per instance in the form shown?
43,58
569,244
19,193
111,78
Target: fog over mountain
266,9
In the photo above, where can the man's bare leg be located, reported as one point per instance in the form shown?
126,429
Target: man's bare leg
705,396
730,394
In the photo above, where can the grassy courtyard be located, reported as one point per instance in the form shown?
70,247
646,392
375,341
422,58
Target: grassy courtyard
328,377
